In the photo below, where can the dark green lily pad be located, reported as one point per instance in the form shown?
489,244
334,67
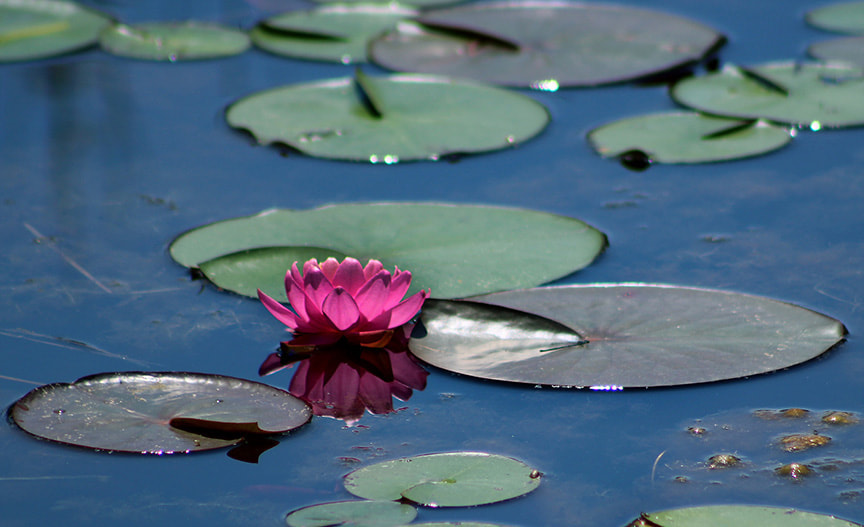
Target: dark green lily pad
812,95
846,17
456,250
353,514
687,138
621,335
848,49
157,412
173,41
452,479
38,29
419,118
738,515
545,44
338,33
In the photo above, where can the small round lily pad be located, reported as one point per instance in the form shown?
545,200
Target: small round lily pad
173,41
452,479
847,49
38,29
729,515
687,137
844,17
157,412
353,514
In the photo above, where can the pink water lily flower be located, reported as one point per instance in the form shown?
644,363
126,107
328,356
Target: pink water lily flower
335,300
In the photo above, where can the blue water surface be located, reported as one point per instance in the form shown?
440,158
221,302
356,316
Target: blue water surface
105,160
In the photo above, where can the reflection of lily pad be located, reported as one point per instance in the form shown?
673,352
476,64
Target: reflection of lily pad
637,335
815,95
43,28
848,49
456,250
687,138
845,17
337,33
157,412
353,514
421,117
173,41
737,515
545,44
453,479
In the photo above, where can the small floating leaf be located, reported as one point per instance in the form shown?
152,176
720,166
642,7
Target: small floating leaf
845,17
453,479
848,49
687,138
353,514
728,515
137,411
173,41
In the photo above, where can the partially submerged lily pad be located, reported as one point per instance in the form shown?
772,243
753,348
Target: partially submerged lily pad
338,33
687,137
173,41
735,515
353,514
157,412
452,479
848,49
545,44
389,119
456,250
38,29
813,95
844,17
620,335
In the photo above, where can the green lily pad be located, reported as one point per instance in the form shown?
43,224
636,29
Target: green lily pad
456,524
456,250
421,118
452,479
846,17
620,335
737,515
38,29
410,3
545,44
353,514
338,33
848,49
173,41
813,95
687,138
157,412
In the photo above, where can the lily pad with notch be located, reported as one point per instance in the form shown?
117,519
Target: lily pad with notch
451,479
620,335
369,513
843,17
157,412
545,44
729,515
173,41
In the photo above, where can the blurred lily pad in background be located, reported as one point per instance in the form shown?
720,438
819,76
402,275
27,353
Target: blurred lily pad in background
843,17
730,515
847,49
173,41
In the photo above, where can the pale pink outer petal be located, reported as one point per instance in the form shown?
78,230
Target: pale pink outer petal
295,274
372,268
372,297
403,312
282,313
398,287
329,268
350,276
340,309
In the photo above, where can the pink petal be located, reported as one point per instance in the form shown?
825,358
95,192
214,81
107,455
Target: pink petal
317,287
398,287
295,275
375,394
341,309
282,313
372,268
329,268
372,297
296,297
404,311
350,276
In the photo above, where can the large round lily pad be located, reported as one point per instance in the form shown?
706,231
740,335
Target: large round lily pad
37,29
843,17
620,335
738,515
173,41
813,95
338,33
452,479
545,44
353,514
389,119
157,412
847,49
456,250
687,137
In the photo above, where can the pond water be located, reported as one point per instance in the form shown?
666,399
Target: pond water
105,160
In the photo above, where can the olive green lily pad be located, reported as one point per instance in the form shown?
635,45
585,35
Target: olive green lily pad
620,335
737,515
687,137
813,95
848,49
845,17
338,33
456,250
38,29
157,412
545,44
452,479
353,514
418,117
173,41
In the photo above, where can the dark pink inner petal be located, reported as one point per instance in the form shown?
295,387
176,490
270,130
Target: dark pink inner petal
350,276
372,268
317,286
398,287
329,268
372,297
341,309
